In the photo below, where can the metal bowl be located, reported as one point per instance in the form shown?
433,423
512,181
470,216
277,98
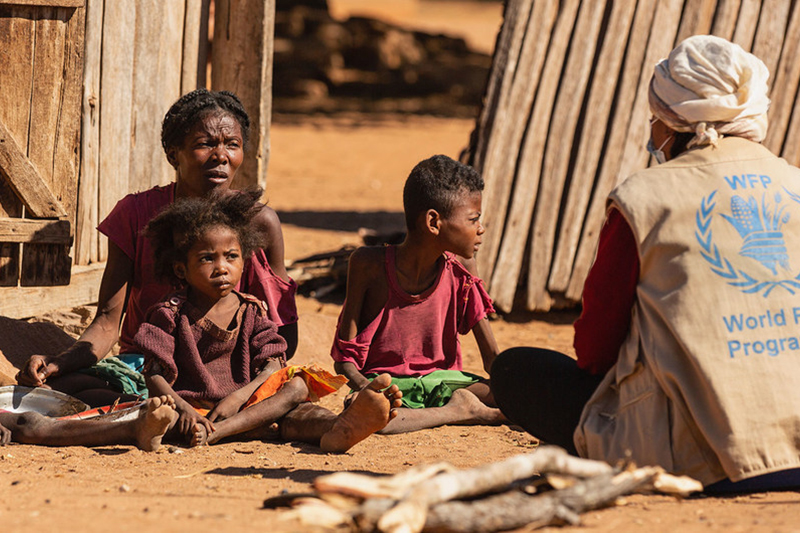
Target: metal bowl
48,402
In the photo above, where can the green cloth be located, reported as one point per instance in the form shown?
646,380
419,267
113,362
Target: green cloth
122,372
431,390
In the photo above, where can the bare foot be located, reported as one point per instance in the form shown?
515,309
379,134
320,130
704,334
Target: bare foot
370,411
199,436
155,418
473,411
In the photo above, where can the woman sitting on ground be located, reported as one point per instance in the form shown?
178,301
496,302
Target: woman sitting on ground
687,344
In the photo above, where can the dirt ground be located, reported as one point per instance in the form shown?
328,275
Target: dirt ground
327,178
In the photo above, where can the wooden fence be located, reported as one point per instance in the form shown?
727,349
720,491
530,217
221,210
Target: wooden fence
565,118
134,59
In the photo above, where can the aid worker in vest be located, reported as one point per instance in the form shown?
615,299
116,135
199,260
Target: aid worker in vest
691,317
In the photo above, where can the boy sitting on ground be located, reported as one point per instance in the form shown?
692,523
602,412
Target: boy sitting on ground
407,304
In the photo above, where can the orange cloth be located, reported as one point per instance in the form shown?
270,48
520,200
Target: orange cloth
320,383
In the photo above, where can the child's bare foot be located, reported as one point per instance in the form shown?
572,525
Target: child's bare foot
473,411
154,419
369,412
199,436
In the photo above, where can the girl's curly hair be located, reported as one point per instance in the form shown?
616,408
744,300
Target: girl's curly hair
174,231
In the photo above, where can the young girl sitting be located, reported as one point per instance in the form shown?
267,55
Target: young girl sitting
208,346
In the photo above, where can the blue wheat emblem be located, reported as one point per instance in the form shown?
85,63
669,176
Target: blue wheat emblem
760,227
762,240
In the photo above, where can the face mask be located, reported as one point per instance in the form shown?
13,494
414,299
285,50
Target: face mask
658,153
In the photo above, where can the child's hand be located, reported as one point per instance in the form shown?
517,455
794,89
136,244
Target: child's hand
226,408
5,435
189,418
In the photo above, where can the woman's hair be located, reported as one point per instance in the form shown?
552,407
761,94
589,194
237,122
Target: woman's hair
174,231
436,183
194,106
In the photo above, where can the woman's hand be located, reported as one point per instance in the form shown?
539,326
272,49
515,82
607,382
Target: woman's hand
36,371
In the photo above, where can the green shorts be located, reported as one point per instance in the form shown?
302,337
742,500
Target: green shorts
432,390
122,372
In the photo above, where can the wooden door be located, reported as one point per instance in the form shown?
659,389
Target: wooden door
41,65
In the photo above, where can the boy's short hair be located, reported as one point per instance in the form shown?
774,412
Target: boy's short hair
174,231
436,183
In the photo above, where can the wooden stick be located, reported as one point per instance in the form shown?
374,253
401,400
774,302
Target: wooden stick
516,509
698,16
528,170
116,97
26,181
86,236
784,87
770,34
725,18
520,79
745,27
395,487
410,513
512,31
557,156
195,45
662,39
594,131
609,168
156,85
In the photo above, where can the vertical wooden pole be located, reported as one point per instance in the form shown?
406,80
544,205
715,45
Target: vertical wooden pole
594,131
784,87
504,62
698,17
615,145
195,45
746,23
509,123
156,85
86,236
770,34
725,18
662,40
116,95
557,156
241,62
16,75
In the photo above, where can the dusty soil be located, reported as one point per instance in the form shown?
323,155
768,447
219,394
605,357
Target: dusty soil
348,171
328,177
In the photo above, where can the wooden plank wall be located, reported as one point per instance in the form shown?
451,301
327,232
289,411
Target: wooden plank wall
41,52
141,56
566,118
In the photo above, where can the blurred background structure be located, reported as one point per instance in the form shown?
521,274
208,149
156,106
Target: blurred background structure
559,106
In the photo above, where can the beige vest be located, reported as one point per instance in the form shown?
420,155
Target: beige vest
707,383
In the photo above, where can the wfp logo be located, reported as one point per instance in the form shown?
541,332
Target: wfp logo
758,222
760,228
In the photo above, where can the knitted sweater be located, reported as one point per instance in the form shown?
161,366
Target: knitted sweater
200,360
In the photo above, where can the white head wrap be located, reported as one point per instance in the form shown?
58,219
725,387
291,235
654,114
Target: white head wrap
711,87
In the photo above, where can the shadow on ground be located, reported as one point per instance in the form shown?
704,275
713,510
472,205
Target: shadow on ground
380,221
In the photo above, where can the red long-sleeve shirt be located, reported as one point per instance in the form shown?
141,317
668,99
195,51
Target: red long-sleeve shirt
608,297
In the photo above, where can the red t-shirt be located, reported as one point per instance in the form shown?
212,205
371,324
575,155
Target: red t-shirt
124,225
608,297
414,335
